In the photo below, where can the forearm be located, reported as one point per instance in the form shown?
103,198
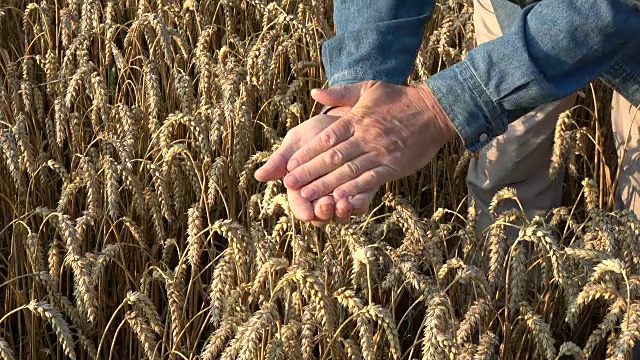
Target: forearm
375,40
555,48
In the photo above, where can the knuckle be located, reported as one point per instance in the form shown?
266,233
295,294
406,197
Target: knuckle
377,134
371,176
335,156
305,174
393,145
388,143
290,136
329,138
352,168
305,152
280,158
351,189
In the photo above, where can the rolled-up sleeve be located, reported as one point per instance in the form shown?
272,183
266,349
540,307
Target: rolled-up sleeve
555,48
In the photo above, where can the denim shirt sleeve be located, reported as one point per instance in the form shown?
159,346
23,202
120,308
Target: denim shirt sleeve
555,48
375,40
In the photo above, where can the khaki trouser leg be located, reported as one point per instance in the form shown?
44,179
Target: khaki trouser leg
520,158
625,121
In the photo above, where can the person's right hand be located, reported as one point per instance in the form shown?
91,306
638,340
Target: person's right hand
390,132
323,209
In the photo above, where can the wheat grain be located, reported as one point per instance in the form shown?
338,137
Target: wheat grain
111,187
27,158
630,333
224,276
501,196
540,331
347,298
143,305
195,238
472,319
275,350
175,293
307,333
384,319
143,331
5,350
569,348
518,277
218,339
12,160
608,324
486,347
59,325
245,344
560,145
436,343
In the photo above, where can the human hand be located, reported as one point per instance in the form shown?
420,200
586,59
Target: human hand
323,209
390,132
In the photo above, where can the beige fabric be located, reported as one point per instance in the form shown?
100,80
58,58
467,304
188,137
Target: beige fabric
625,121
520,158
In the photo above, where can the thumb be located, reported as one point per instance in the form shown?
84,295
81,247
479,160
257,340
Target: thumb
276,165
346,95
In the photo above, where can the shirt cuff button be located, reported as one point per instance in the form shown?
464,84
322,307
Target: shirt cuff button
483,137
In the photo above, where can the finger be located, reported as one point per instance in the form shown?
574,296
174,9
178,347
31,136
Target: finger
323,164
276,165
301,208
333,135
343,211
368,181
349,171
360,203
355,205
324,208
347,95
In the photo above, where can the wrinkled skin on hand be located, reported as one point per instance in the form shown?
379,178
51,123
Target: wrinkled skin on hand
390,132
323,209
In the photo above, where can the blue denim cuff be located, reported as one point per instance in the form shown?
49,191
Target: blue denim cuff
476,117
352,76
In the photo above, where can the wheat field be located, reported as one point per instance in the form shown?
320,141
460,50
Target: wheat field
131,225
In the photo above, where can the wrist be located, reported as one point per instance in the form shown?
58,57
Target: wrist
436,111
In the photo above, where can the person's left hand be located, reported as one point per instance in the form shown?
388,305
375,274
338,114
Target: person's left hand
324,209
389,133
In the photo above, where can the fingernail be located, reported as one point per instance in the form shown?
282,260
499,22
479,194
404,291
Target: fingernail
308,194
291,181
326,207
292,165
